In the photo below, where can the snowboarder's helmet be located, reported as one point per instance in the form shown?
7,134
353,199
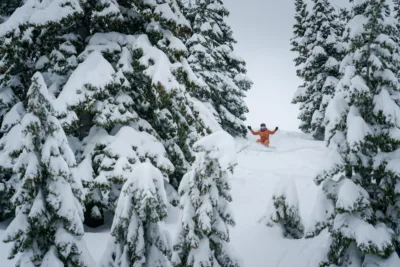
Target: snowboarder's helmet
262,124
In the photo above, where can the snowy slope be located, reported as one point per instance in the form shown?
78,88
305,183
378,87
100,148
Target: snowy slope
296,156
256,175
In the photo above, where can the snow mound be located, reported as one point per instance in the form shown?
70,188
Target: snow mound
132,144
221,146
94,71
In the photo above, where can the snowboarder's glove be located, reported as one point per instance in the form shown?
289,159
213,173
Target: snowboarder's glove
249,127
276,129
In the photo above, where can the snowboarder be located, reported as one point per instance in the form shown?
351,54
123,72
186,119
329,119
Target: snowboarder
263,133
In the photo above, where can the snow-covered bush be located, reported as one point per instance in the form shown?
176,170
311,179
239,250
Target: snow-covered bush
283,210
205,196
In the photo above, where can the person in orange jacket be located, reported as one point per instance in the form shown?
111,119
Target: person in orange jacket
263,133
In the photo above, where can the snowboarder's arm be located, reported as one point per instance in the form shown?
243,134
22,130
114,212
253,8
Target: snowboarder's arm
254,133
274,131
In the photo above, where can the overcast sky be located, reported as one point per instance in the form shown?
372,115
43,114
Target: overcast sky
263,29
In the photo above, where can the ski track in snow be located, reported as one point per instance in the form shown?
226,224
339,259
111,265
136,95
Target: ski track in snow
296,156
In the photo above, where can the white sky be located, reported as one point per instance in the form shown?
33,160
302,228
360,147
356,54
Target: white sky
263,29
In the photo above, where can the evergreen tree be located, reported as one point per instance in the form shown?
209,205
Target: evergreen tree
298,41
320,69
212,58
361,187
48,227
27,44
168,107
138,81
83,103
396,10
107,64
205,196
137,238
283,210
299,45
32,41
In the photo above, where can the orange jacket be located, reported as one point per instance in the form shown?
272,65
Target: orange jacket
263,134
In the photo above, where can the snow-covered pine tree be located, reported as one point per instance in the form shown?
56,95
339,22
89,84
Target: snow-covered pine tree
80,105
34,39
283,210
116,161
396,10
137,234
205,197
48,226
320,70
168,107
27,44
138,81
103,102
213,59
299,45
30,44
363,127
298,41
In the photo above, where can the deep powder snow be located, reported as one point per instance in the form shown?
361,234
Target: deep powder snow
295,156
